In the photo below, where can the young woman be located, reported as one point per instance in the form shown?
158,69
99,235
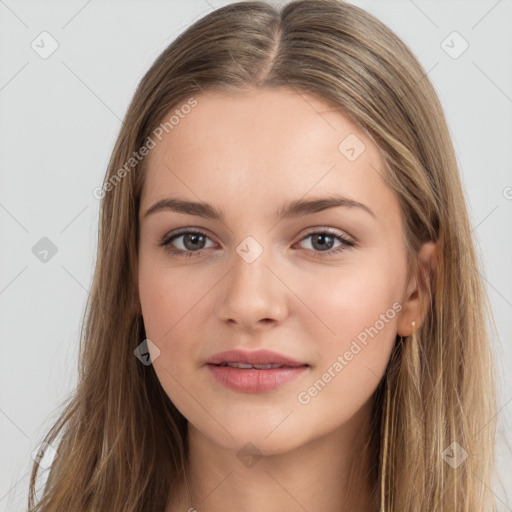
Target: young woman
286,311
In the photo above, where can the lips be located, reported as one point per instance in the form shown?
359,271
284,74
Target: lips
258,371
259,359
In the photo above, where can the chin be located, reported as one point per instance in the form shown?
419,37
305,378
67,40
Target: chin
263,438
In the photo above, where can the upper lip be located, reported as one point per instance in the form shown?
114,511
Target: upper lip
254,357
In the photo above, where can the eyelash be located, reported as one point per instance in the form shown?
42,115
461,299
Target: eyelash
345,243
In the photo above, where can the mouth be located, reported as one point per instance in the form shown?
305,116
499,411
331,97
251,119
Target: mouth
257,371
247,366
255,378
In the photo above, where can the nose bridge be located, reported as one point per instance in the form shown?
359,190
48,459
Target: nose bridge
250,275
251,290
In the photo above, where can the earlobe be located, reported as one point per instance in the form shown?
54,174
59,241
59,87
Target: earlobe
417,300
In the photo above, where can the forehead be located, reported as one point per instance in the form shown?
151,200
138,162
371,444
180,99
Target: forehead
262,147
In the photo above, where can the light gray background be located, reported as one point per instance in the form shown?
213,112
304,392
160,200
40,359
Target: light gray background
60,117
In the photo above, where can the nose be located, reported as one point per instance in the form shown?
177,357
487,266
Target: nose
252,296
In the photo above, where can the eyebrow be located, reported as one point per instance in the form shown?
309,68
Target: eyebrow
297,208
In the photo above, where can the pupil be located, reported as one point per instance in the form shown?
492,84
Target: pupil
321,240
195,239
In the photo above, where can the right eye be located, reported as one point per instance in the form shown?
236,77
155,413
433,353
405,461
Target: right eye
192,242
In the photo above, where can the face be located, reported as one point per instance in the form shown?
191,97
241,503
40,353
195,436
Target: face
322,286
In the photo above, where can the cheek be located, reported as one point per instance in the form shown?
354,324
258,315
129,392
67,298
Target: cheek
348,299
169,299
171,307
176,308
360,305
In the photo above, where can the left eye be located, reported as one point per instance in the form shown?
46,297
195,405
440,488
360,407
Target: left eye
324,239
193,242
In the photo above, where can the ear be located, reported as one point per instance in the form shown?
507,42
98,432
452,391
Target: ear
416,302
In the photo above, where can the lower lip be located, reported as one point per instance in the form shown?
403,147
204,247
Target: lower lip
254,380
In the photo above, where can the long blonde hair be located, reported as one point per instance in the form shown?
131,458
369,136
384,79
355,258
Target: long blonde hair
123,442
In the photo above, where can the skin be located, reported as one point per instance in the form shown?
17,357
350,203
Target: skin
247,154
